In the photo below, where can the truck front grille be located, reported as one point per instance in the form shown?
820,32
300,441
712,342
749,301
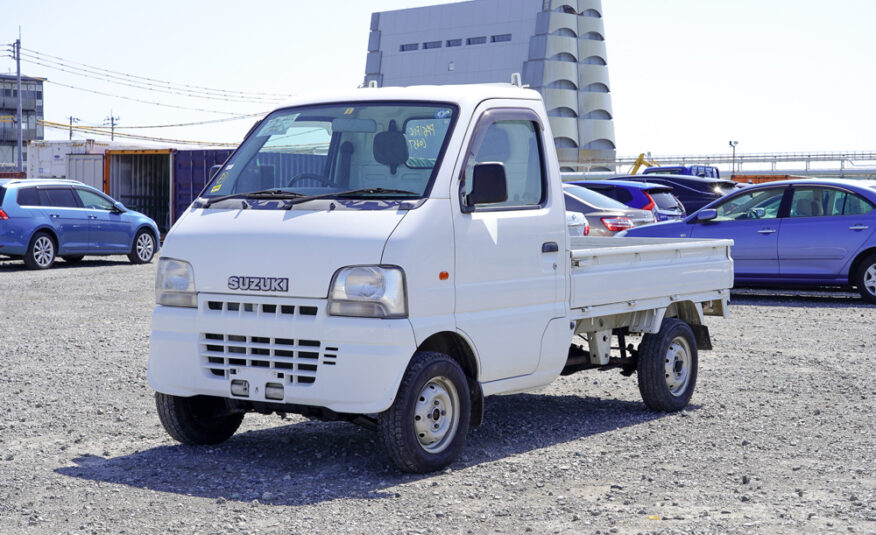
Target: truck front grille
295,361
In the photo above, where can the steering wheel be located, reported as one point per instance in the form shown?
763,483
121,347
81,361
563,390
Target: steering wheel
323,181
752,214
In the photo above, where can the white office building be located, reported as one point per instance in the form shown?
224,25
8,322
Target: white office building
557,45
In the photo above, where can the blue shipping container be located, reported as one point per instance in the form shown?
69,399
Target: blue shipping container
191,169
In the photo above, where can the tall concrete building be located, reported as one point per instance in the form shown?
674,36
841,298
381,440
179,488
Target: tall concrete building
31,112
558,46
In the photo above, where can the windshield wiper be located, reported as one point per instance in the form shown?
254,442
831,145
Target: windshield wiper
263,194
349,193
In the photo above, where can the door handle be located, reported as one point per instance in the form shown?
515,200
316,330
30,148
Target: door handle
56,216
859,227
92,217
766,231
550,247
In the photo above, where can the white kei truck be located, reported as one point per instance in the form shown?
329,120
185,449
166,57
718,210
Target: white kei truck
392,256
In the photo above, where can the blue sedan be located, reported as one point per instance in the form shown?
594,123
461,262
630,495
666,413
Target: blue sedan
41,220
806,232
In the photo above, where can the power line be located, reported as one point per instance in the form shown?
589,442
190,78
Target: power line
153,103
197,88
149,87
104,132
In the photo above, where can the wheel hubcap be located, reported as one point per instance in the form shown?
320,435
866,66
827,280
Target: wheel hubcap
436,416
677,366
43,251
870,279
144,247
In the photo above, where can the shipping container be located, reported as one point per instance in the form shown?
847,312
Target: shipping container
191,169
86,168
141,180
760,179
48,158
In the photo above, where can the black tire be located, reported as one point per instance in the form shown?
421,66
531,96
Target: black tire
74,259
197,420
143,248
424,430
41,251
865,279
667,366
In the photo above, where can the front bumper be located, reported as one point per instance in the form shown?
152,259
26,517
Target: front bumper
349,365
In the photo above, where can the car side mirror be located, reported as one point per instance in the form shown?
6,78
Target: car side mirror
119,207
488,185
706,215
213,170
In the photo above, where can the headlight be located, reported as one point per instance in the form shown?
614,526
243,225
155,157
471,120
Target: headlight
369,292
175,284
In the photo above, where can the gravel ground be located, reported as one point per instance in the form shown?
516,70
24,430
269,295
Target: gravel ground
779,437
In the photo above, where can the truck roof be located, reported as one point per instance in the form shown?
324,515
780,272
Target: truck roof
462,95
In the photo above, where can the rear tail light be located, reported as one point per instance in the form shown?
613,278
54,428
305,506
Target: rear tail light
587,229
3,215
651,204
617,224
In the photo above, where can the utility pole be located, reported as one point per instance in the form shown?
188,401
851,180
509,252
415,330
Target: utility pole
112,123
733,161
72,120
18,114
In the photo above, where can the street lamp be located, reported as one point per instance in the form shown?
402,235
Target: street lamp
733,163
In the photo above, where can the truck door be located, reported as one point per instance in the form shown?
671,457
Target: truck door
508,276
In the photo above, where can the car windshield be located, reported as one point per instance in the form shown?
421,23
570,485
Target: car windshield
373,149
597,200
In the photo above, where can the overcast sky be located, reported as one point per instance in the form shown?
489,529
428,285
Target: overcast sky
686,76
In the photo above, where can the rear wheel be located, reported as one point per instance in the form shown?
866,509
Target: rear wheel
866,279
41,252
197,420
667,367
143,249
424,429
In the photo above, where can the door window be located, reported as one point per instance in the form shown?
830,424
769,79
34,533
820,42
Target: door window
517,145
93,200
815,202
760,204
28,197
62,197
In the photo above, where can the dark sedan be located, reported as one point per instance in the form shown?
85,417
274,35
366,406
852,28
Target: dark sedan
808,232
694,192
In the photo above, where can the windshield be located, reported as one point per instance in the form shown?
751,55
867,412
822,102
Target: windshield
597,200
373,149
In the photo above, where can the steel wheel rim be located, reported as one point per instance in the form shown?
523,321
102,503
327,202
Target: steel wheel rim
870,280
144,247
43,251
677,366
436,415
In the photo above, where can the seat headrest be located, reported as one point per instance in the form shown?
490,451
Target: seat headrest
390,147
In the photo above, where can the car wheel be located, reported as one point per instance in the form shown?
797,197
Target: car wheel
197,420
41,252
866,279
424,430
143,249
667,366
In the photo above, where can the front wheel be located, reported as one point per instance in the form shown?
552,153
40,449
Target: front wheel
866,279
667,367
143,249
197,420
424,429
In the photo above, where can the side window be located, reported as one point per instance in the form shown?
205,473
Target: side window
857,205
517,145
62,197
622,195
761,204
816,202
28,197
93,200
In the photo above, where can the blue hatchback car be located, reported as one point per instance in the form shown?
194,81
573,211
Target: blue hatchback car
656,198
806,232
41,220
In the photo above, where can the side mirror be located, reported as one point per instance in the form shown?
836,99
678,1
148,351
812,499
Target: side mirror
488,184
706,215
213,170
119,207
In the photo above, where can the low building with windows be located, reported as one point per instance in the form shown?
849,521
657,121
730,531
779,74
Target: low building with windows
558,46
31,111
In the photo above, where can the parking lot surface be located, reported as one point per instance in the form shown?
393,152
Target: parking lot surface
780,436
